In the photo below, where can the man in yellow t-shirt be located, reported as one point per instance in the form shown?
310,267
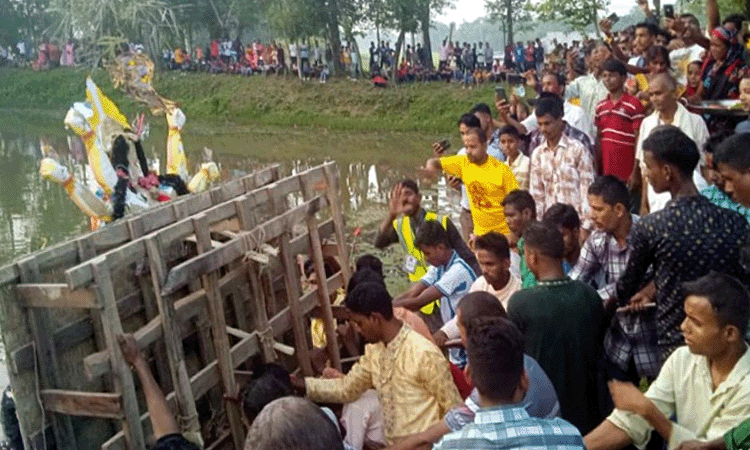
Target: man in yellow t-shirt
487,181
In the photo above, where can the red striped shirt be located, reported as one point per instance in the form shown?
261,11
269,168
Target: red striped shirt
618,124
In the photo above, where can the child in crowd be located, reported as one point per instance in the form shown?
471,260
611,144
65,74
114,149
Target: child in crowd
657,62
510,143
694,89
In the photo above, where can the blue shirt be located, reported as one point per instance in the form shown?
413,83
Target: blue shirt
453,280
511,427
540,400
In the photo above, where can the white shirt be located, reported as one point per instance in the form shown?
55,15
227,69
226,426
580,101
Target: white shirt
683,388
690,124
680,58
572,114
590,91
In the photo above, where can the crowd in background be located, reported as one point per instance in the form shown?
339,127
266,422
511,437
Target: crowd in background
593,293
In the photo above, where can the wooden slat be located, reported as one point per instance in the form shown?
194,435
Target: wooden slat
181,274
88,404
97,364
123,379
55,296
49,368
172,341
201,383
329,324
72,334
217,318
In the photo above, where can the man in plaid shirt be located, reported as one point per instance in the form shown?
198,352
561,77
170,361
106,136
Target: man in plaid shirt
630,343
495,348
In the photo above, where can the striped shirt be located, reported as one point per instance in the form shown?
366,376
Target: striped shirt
618,124
511,427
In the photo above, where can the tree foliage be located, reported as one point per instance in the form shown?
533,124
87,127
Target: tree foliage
578,14
513,15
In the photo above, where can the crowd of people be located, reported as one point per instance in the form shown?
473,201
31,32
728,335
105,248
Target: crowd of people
594,292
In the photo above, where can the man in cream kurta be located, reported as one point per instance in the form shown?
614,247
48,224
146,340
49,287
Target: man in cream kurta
411,377
683,388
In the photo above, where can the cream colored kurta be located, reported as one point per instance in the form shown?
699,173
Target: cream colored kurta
411,377
683,388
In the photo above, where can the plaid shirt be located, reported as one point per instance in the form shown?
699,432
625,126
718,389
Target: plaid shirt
511,427
563,175
602,253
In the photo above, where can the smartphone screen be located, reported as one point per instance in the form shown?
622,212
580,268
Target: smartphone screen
669,11
500,93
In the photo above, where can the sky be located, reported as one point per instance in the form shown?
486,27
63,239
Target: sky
469,10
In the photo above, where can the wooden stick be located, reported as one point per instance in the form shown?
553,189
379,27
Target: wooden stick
220,338
48,367
172,341
323,295
124,383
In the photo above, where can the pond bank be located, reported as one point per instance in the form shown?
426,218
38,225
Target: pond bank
340,104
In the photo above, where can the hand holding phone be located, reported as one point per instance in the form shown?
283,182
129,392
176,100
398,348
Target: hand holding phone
500,93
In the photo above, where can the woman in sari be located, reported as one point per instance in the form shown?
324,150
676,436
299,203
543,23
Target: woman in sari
723,65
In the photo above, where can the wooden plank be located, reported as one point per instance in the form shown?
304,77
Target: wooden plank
329,324
22,359
293,291
55,296
8,274
97,364
123,379
217,318
181,274
172,341
78,403
282,321
155,222
200,383
49,368
332,191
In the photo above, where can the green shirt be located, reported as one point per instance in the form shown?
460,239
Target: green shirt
722,200
738,438
562,321
527,278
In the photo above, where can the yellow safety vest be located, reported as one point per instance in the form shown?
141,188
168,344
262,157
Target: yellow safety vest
403,228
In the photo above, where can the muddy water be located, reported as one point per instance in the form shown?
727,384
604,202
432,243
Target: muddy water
35,213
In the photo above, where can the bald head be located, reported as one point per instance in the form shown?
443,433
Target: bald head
662,91
664,81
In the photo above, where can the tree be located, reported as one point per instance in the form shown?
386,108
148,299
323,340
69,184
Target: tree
510,13
425,8
578,14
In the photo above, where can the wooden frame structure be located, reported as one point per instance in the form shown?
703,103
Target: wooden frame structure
206,284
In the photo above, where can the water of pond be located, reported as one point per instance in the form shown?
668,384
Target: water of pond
35,213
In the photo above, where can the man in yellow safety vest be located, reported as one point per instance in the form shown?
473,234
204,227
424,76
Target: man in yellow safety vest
405,215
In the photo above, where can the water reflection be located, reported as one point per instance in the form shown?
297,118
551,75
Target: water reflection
35,213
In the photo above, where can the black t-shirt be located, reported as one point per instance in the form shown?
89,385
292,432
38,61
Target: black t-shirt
174,442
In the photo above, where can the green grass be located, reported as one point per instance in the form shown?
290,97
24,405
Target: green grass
279,102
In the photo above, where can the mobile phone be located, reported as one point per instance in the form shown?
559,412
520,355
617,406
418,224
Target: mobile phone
500,93
669,11
745,27
613,18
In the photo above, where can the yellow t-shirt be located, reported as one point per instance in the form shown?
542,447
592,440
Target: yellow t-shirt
486,185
